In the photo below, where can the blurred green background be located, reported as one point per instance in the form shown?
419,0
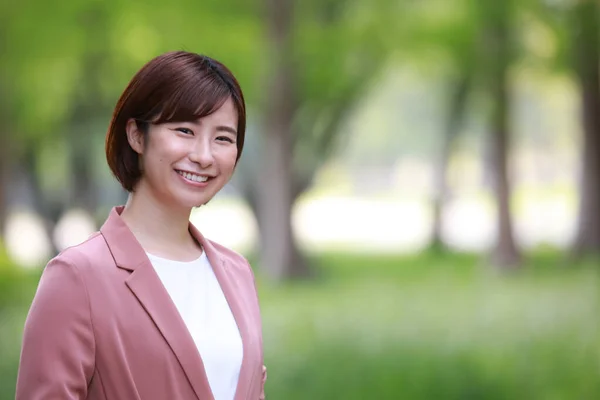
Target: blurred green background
419,194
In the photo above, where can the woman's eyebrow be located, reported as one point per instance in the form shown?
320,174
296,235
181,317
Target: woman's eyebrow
224,128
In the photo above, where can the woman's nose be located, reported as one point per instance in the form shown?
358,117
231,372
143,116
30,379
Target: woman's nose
202,154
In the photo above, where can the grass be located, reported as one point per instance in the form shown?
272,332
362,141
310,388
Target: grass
431,327
423,326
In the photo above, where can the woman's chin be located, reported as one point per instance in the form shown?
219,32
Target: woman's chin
192,202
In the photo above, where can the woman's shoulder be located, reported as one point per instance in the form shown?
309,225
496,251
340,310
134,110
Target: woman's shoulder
83,255
70,273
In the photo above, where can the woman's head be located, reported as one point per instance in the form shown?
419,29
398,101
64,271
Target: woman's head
180,120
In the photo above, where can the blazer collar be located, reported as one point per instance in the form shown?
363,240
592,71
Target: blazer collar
127,251
147,287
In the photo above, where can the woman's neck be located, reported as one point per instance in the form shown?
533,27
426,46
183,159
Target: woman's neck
162,231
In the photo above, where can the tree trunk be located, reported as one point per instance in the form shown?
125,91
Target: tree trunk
587,45
280,256
84,195
49,211
4,181
456,108
505,254
5,137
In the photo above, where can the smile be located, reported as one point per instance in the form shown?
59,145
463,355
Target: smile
193,177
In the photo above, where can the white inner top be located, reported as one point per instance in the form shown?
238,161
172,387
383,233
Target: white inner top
201,303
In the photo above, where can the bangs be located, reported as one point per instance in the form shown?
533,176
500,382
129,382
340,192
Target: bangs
193,98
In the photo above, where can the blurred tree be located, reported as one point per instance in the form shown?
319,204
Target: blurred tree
48,85
586,49
5,130
12,50
279,252
47,79
453,35
475,40
323,56
4,170
456,107
91,103
498,41
4,179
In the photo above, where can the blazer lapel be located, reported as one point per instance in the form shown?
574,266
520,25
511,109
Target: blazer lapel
145,284
232,290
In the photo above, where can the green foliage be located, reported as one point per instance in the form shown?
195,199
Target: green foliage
341,48
78,61
60,76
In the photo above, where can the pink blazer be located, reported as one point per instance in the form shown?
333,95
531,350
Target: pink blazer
102,326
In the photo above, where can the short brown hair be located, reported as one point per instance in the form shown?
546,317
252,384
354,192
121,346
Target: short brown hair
174,87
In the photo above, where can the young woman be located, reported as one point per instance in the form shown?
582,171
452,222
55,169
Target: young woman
147,308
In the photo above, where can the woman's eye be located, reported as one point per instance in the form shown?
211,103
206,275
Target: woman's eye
225,139
185,130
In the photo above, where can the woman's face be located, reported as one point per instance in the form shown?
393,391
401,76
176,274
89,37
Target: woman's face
185,164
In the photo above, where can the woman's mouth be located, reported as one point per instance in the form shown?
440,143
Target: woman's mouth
191,177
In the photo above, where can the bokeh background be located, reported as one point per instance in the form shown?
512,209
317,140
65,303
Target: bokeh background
419,194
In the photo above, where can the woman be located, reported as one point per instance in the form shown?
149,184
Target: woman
147,308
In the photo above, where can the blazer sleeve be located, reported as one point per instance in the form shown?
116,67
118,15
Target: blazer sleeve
57,355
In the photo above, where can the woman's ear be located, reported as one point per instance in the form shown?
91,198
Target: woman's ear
135,136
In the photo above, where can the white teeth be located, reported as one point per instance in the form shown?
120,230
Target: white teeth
192,177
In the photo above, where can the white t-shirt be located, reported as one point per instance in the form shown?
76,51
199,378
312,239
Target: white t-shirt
201,303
